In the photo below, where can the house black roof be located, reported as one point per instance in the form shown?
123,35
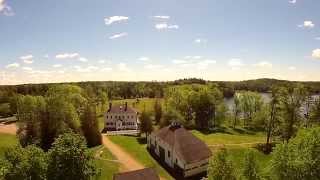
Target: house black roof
185,144
121,109
142,174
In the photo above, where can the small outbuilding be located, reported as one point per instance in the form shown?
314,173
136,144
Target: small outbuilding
180,150
142,174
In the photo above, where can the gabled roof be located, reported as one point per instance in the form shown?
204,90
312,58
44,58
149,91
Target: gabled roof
142,174
121,109
185,144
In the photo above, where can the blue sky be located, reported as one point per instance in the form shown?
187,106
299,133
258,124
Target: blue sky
80,40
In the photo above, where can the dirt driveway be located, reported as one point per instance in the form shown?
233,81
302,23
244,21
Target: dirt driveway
128,163
8,128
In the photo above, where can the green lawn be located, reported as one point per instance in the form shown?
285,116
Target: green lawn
237,157
6,141
132,146
146,104
229,138
108,168
237,152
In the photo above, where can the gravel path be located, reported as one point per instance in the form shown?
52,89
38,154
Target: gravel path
8,129
128,162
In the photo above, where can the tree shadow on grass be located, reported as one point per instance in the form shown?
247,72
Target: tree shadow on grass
215,130
142,140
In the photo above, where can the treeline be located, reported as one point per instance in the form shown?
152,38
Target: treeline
124,90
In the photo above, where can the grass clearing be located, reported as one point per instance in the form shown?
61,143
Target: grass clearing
237,156
229,138
6,141
146,104
138,150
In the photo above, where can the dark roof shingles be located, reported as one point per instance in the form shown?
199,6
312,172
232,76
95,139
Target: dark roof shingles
121,109
187,146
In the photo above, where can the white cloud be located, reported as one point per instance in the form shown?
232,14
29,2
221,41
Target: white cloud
86,69
67,55
153,66
235,62
82,59
317,38
27,68
26,57
292,1
263,64
115,36
163,26
106,69
123,67
204,64
197,57
101,61
292,68
316,53
161,17
179,61
5,9
200,41
307,24
30,61
57,65
144,59
113,19
13,65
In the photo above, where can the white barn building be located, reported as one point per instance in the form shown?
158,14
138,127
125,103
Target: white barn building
121,117
180,150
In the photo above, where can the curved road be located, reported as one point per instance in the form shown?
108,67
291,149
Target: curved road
127,161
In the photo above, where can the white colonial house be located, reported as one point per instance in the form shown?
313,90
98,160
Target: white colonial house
180,150
121,117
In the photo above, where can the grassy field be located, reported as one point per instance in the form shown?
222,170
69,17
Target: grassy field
146,104
237,155
6,141
229,137
107,168
138,150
